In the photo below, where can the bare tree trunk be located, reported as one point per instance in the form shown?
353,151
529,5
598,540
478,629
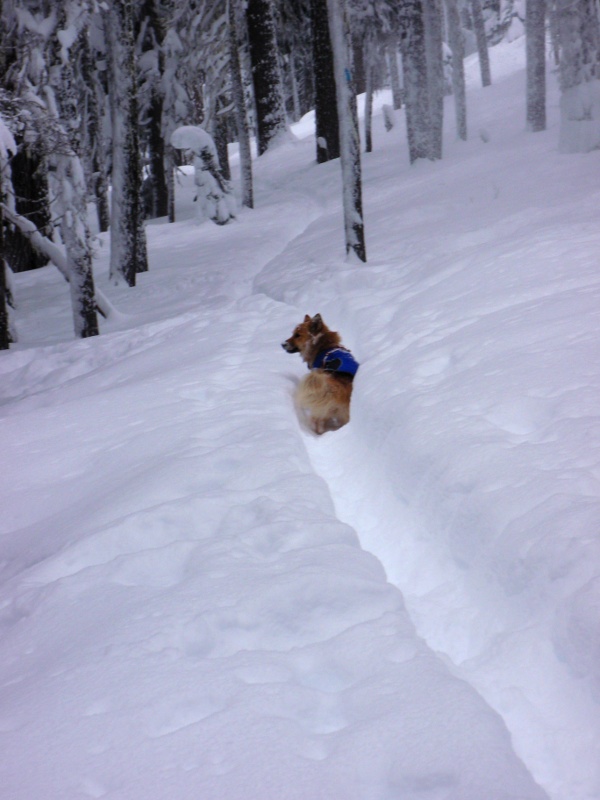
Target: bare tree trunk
482,47
535,29
392,56
349,136
266,73
416,88
4,322
327,126
128,254
457,45
432,18
239,103
368,101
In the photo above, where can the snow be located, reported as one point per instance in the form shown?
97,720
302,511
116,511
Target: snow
199,599
194,138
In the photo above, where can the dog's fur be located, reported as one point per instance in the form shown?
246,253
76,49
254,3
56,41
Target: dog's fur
323,397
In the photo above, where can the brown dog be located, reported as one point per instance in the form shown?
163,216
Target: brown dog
323,396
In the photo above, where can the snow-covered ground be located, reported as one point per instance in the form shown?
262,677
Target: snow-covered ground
198,599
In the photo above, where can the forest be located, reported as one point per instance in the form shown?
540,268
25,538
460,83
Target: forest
92,93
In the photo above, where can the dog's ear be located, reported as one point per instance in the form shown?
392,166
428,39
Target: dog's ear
316,324
306,319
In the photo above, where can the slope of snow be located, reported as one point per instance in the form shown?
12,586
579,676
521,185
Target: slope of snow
199,599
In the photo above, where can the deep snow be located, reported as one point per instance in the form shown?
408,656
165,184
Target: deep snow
199,599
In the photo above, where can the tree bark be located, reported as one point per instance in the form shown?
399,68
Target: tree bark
535,30
239,104
327,128
482,47
432,17
416,87
349,135
266,74
128,254
457,45
392,55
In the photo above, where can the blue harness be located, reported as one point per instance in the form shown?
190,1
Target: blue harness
337,360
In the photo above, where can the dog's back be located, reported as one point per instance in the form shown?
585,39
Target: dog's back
326,398
323,396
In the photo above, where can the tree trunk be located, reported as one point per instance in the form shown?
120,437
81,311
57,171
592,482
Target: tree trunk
4,321
327,128
67,181
457,45
369,105
579,36
482,47
266,73
416,88
392,56
128,254
349,136
239,104
156,145
535,29
432,17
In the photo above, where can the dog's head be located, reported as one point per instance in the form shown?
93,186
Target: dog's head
305,335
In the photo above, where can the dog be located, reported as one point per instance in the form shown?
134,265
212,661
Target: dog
322,396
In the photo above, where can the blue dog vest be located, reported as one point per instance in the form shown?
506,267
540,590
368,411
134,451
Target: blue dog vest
337,360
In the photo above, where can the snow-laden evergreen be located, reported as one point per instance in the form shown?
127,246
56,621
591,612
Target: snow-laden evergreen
198,600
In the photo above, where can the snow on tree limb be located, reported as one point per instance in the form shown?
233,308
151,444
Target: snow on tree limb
55,254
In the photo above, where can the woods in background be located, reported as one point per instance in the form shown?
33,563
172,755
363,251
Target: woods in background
90,95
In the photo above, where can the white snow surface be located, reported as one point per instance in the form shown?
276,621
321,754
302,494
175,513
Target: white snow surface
198,599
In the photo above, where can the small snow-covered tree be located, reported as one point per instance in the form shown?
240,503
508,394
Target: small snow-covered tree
535,29
214,194
339,29
578,27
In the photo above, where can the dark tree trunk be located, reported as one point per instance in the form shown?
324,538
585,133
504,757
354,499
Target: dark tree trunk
4,321
327,127
535,29
239,104
156,146
220,136
31,200
482,47
128,239
369,106
266,74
